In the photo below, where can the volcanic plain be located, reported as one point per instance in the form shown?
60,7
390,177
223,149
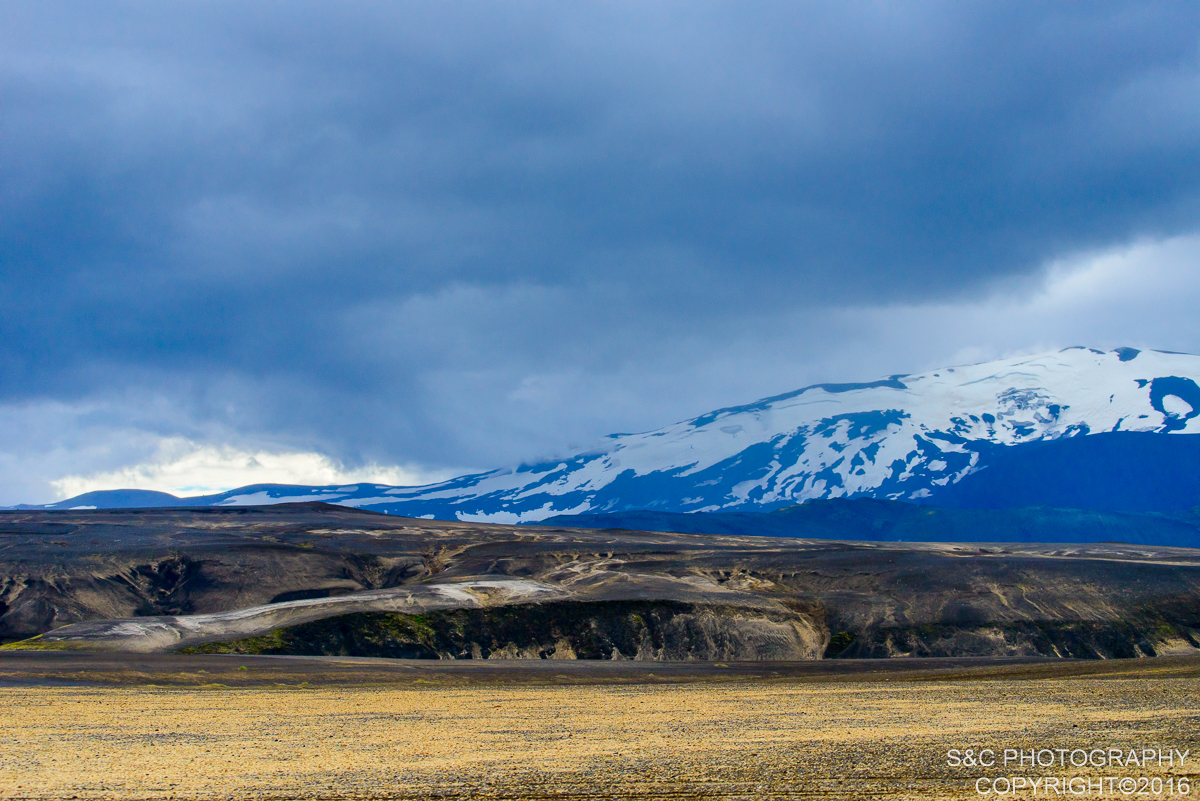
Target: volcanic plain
201,727
239,653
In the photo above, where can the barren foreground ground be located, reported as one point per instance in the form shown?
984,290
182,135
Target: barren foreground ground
576,733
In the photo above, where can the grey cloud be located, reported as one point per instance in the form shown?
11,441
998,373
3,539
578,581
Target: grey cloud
384,230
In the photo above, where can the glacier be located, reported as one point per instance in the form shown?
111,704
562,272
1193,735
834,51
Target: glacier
904,437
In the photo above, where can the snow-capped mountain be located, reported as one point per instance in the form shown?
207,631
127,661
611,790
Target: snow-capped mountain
903,437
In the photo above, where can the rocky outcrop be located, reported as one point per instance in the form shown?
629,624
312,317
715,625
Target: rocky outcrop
641,630
154,580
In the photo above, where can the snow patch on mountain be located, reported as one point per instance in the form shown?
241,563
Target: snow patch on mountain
900,438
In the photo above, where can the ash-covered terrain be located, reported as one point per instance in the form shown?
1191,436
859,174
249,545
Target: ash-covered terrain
320,579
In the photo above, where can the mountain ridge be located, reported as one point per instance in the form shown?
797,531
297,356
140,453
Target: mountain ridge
875,520
904,437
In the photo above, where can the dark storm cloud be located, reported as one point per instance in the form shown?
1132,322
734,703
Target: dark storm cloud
301,219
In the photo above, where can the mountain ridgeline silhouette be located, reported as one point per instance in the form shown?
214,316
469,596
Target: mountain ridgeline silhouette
1115,431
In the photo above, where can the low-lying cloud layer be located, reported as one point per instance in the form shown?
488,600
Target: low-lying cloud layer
451,236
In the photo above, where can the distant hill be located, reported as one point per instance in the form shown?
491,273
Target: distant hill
115,499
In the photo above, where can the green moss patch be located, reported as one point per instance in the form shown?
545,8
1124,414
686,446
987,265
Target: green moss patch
38,644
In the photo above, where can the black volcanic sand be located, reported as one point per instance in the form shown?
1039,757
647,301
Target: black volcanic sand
83,669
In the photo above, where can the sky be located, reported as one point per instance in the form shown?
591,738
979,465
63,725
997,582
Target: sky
306,242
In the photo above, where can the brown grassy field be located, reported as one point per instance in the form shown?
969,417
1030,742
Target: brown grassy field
751,736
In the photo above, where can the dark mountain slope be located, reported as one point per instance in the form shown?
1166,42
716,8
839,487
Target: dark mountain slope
871,520
1122,471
